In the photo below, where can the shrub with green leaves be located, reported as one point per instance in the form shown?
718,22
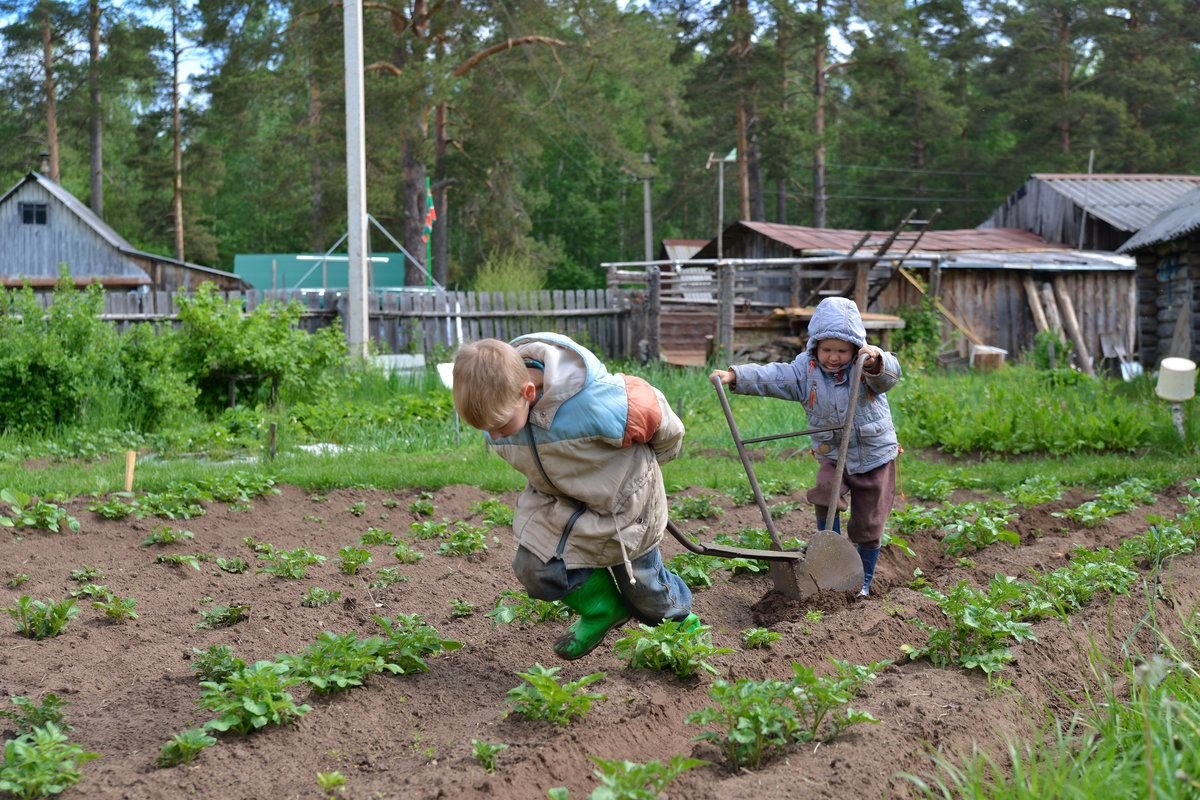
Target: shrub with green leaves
542,696
682,647
516,606
408,641
350,559
41,620
485,753
317,596
184,747
215,663
629,779
981,624
289,564
30,513
41,763
29,715
251,698
464,540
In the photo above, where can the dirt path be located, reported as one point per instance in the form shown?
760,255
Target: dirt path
130,687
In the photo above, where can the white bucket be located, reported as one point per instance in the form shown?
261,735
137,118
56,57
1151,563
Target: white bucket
985,358
1176,379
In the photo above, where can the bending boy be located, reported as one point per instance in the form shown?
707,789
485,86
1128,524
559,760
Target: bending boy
590,444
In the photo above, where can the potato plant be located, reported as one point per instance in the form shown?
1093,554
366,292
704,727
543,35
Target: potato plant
165,534
338,662
318,596
387,576
184,747
29,715
350,559
621,779
464,540
495,513
682,647
41,620
41,763
485,753
289,564
235,565
224,616
702,506
375,536
30,513
759,638
409,640
215,663
1109,502
423,505
117,609
405,553
541,696
251,698
516,606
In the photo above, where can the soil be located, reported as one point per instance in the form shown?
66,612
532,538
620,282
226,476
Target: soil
130,686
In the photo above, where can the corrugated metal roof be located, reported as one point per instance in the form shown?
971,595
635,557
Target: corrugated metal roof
1178,219
841,240
1126,202
1041,261
682,249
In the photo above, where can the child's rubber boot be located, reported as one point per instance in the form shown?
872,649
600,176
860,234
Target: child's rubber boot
600,607
690,623
822,515
869,558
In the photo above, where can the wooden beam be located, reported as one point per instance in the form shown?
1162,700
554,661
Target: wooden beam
1035,305
945,312
1072,325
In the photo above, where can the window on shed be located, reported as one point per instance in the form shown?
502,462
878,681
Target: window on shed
33,213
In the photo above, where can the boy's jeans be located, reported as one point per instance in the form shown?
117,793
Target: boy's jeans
658,593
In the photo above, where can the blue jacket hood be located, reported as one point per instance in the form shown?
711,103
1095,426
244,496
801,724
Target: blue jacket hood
836,318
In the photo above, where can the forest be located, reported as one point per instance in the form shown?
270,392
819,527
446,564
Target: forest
200,129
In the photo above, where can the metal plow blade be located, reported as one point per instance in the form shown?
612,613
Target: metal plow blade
831,563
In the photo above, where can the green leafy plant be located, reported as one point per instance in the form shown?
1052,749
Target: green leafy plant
184,747
387,576
224,616
541,696
87,574
1035,490
117,609
752,719
179,559
408,641
235,565
41,620
18,580
405,553
350,559
516,606
41,763
485,753
165,534
629,780
337,662
428,529
461,608
390,502
375,536
682,647
318,596
692,568
1109,502
333,781
698,507
464,540
423,505
215,663
979,525
289,564
29,715
114,507
251,698
357,509
759,637
495,513
29,513
816,697
95,591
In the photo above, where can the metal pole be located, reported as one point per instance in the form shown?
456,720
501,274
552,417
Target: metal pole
356,181
647,219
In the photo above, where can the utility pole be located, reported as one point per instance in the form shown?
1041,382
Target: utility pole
647,219
356,181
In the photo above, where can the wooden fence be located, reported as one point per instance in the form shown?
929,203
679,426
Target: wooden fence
422,321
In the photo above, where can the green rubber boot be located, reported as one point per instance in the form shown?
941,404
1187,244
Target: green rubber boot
600,607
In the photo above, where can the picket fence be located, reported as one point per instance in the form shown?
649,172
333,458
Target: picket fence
426,322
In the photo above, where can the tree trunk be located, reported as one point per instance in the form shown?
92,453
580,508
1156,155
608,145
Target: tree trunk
742,161
819,210
414,209
316,165
51,94
1064,80
441,238
177,137
95,115
758,209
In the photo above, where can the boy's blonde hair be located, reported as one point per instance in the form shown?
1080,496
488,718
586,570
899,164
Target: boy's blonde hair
489,376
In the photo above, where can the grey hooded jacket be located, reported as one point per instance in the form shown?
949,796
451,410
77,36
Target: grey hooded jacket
826,395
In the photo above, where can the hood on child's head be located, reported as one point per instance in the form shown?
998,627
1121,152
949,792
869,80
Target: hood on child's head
836,318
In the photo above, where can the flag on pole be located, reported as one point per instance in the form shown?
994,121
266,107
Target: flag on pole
430,212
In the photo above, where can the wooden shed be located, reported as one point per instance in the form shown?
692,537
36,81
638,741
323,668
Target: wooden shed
1107,209
42,225
1168,282
984,278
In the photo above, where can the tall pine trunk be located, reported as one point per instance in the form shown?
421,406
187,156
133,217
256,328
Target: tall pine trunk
51,93
95,112
177,137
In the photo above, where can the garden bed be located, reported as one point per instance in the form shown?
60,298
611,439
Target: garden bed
130,686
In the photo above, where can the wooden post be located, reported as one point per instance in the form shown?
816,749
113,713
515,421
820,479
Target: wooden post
1050,306
935,278
862,282
654,329
130,460
271,442
1035,305
1072,325
725,299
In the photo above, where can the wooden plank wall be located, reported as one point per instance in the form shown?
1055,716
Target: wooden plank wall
424,322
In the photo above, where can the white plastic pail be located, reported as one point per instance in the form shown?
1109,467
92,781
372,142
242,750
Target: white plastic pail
1176,379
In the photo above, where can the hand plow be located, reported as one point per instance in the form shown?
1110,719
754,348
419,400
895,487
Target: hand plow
829,562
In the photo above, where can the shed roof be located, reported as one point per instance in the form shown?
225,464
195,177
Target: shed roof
1126,202
1178,219
842,240
102,228
681,249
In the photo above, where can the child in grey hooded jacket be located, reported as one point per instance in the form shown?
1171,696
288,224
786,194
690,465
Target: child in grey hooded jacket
819,378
